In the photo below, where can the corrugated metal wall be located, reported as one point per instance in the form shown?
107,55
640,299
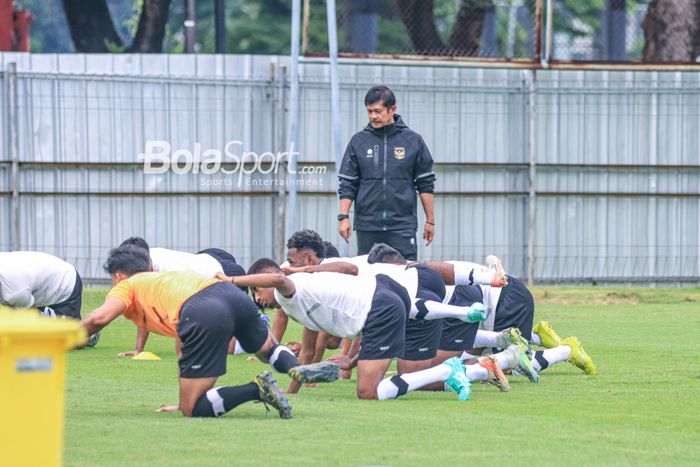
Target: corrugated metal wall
617,180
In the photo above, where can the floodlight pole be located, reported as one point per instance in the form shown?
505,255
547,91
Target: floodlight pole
293,129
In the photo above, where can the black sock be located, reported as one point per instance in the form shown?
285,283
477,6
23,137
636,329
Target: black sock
282,359
218,401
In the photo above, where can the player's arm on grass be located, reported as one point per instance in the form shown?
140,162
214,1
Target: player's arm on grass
103,315
342,267
308,344
141,338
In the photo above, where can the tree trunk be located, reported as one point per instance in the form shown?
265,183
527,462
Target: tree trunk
90,25
466,33
151,28
671,31
418,17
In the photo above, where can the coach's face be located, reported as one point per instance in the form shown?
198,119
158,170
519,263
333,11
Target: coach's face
380,115
303,257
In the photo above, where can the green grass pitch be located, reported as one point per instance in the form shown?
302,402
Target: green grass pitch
642,408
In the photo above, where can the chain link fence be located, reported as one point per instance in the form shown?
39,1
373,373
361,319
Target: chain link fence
618,31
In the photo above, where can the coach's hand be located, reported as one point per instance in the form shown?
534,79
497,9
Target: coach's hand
345,229
428,233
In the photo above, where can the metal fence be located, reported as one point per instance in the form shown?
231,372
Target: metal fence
534,31
570,176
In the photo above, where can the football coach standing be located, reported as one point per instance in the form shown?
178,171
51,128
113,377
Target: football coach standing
383,168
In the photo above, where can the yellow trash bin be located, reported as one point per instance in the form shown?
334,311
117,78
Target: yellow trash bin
32,385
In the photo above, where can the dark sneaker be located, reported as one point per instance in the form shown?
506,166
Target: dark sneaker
270,394
93,340
321,372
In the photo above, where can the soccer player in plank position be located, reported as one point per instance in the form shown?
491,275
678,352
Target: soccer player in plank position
347,306
306,253
202,314
206,262
31,279
510,310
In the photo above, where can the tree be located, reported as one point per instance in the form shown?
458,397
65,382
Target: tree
419,18
92,29
672,31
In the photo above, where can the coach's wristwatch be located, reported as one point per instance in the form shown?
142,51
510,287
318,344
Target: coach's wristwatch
342,217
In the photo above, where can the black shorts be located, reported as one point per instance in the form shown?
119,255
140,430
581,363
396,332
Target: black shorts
384,333
208,321
70,308
430,284
515,308
402,240
226,259
456,334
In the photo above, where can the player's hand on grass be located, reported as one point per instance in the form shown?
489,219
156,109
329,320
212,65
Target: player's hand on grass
130,353
345,374
294,346
343,361
168,408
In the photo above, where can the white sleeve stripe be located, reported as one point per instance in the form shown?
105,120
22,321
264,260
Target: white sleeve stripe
427,174
347,177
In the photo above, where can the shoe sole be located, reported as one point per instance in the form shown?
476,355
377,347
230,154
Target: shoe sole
552,338
525,367
583,357
499,378
270,393
522,343
322,372
500,279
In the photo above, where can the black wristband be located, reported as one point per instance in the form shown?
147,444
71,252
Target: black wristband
342,217
431,223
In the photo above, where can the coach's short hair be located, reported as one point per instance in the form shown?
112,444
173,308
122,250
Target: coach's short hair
329,250
137,241
380,94
307,238
127,259
262,265
383,253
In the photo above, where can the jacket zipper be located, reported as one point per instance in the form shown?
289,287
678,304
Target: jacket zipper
384,185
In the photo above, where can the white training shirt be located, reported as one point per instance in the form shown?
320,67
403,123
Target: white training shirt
30,279
407,278
359,261
332,302
165,260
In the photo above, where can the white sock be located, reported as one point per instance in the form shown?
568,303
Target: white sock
238,350
429,309
477,372
546,358
486,339
398,385
471,273
468,356
535,339
506,359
